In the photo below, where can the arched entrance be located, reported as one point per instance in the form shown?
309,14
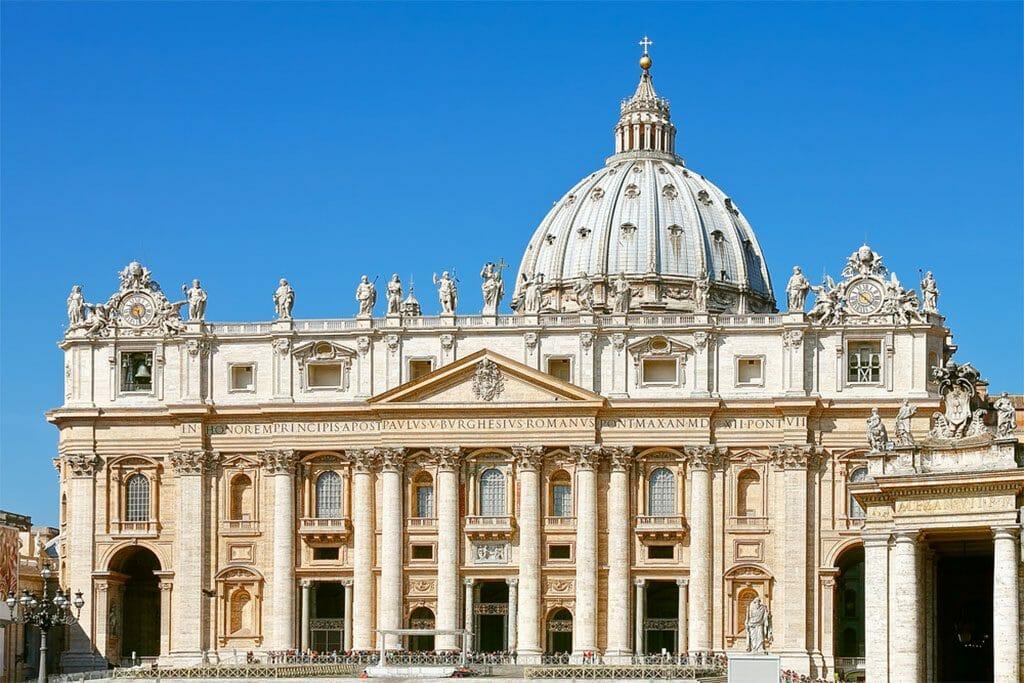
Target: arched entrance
134,616
421,617
848,615
559,632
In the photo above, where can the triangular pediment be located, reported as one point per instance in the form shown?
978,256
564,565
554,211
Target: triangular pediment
483,379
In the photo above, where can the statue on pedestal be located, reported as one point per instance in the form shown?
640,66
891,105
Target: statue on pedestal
621,294
700,292
796,290
533,292
904,437
492,287
284,300
76,306
1006,416
394,294
758,625
878,436
930,292
196,298
583,289
366,295
447,293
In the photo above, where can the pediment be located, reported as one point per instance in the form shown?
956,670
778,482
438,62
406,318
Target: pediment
486,378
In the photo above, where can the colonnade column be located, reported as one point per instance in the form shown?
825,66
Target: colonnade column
700,459
876,606
467,618
447,545
347,633
80,482
618,552
513,606
305,584
528,462
681,630
1006,605
363,463
584,626
638,618
391,544
906,632
280,465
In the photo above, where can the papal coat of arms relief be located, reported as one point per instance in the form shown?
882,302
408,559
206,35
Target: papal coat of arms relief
488,382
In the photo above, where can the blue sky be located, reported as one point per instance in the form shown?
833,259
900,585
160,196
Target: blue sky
244,142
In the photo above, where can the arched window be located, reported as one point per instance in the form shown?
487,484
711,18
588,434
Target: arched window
239,615
423,492
859,474
561,495
241,497
492,493
748,494
661,493
328,495
137,499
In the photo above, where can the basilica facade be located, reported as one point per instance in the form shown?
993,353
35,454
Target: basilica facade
622,465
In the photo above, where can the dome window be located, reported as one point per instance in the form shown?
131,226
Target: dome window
628,229
632,191
662,170
549,238
675,230
704,198
669,192
570,200
583,231
596,193
637,169
732,207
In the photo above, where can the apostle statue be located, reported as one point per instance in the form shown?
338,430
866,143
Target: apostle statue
904,437
284,300
878,437
394,294
758,624
797,290
1006,416
700,292
930,292
492,287
583,289
621,294
76,306
533,292
366,295
447,293
195,296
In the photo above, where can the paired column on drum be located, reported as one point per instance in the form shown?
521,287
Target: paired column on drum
528,462
1006,605
619,544
700,460
448,519
363,463
391,545
584,631
280,466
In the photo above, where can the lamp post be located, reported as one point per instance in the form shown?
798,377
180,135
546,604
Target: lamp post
44,612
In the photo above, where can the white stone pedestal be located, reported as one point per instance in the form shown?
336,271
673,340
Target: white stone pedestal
748,667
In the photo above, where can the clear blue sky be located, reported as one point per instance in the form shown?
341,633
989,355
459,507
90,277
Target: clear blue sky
244,142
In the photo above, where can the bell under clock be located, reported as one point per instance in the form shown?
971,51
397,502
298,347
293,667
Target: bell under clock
864,297
137,310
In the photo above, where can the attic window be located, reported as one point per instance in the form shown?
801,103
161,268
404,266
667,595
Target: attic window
549,238
632,191
660,371
704,198
560,368
570,200
325,375
675,230
717,236
419,367
732,207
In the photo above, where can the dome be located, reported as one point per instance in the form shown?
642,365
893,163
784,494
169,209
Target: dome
681,243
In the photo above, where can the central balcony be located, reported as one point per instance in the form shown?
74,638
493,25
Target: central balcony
325,529
561,523
659,527
480,527
148,528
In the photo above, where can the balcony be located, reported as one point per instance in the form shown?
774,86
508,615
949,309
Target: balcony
149,528
560,523
490,527
239,527
325,529
421,523
661,528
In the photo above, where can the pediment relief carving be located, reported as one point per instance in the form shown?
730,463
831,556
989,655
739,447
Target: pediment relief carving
658,345
315,351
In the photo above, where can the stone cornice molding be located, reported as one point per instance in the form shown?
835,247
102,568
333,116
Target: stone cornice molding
701,457
83,464
446,458
191,462
528,458
364,460
587,457
279,461
786,457
620,458
391,459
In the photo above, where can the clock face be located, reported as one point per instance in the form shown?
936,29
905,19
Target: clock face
137,310
864,297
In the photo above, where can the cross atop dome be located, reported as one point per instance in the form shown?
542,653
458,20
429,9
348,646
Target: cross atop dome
645,59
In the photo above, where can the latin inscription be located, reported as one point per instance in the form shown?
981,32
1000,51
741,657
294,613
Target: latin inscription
655,423
491,424
953,505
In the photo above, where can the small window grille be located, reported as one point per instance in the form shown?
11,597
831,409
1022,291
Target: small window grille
661,496
137,507
492,493
424,500
865,363
328,495
561,499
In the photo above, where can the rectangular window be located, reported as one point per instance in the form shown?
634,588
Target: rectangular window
424,501
661,552
420,367
243,377
864,362
326,375
137,371
422,552
326,553
559,552
660,371
560,368
749,372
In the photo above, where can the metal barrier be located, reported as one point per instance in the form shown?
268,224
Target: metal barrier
623,671
247,671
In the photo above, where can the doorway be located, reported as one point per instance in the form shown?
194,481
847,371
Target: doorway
136,620
963,622
662,622
491,612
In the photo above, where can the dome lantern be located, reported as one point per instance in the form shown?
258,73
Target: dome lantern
644,119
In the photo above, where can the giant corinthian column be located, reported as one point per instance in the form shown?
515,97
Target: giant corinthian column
621,462
363,464
584,625
1006,605
528,462
391,543
80,483
187,600
701,460
280,465
447,545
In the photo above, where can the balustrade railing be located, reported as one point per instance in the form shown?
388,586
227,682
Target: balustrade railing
422,522
230,525
560,521
748,521
139,528
666,521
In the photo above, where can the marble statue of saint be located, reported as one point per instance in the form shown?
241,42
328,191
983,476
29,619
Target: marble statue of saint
700,292
492,287
284,300
930,292
196,298
583,289
76,306
98,322
621,293
533,292
447,293
1006,416
797,290
366,295
758,624
904,437
878,436
394,294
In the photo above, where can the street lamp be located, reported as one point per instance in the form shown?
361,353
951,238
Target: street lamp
44,612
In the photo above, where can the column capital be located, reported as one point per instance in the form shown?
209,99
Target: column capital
528,458
347,583
512,581
446,457
701,457
83,464
588,457
682,583
468,581
876,539
1005,533
620,458
305,584
786,457
280,461
638,582
192,462
391,459
364,460
906,536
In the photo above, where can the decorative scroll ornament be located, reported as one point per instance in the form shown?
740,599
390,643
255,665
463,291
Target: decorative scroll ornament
280,461
964,416
83,464
490,553
528,458
194,461
488,381
792,339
